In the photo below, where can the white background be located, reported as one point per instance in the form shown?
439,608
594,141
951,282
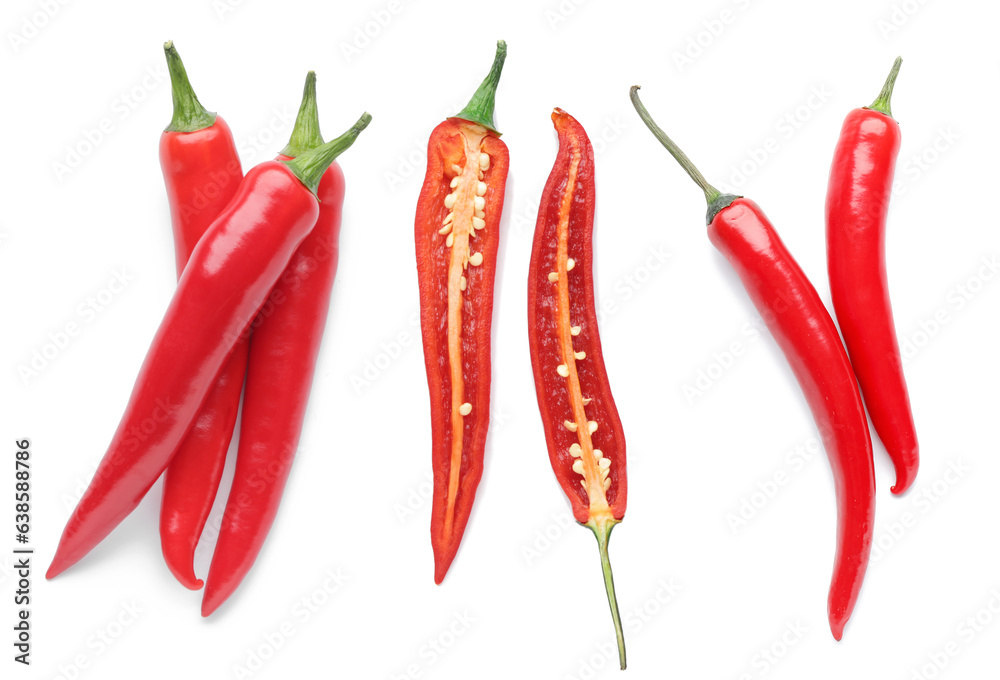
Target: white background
356,502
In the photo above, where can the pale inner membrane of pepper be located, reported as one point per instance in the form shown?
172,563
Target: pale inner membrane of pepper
588,462
466,206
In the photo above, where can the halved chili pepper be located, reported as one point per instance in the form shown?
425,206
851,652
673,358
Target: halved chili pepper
457,235
582,429
857,202
283,351
201,171
229,274
796,317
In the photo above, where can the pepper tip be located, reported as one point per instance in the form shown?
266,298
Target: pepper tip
901,486
440,571
209,604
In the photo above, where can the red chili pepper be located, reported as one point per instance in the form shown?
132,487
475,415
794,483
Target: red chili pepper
283,350
582,429
857,202
800,324
229,275
201,171
457,235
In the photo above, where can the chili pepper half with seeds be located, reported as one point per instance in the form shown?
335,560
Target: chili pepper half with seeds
583,432
457,236
857,204
796,317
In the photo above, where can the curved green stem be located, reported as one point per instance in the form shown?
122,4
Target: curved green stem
305,135
882,101
310,166
480,107
189,114
602,530
717,201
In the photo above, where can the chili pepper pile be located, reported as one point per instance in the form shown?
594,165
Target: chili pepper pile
241,242
256,259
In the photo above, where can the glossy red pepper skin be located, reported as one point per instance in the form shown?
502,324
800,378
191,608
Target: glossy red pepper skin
576,157
796,317
283,352
452,504
583,432
798,321
201,172
228,276
857,203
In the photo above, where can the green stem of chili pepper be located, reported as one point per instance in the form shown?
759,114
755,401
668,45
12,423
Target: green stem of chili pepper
305,135
881,103
602,531
480,107
717,201
189,114
309,167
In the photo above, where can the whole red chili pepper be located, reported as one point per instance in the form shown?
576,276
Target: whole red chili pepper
283,351
201,171
229,274
857,202
457,235
582,429
800,324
